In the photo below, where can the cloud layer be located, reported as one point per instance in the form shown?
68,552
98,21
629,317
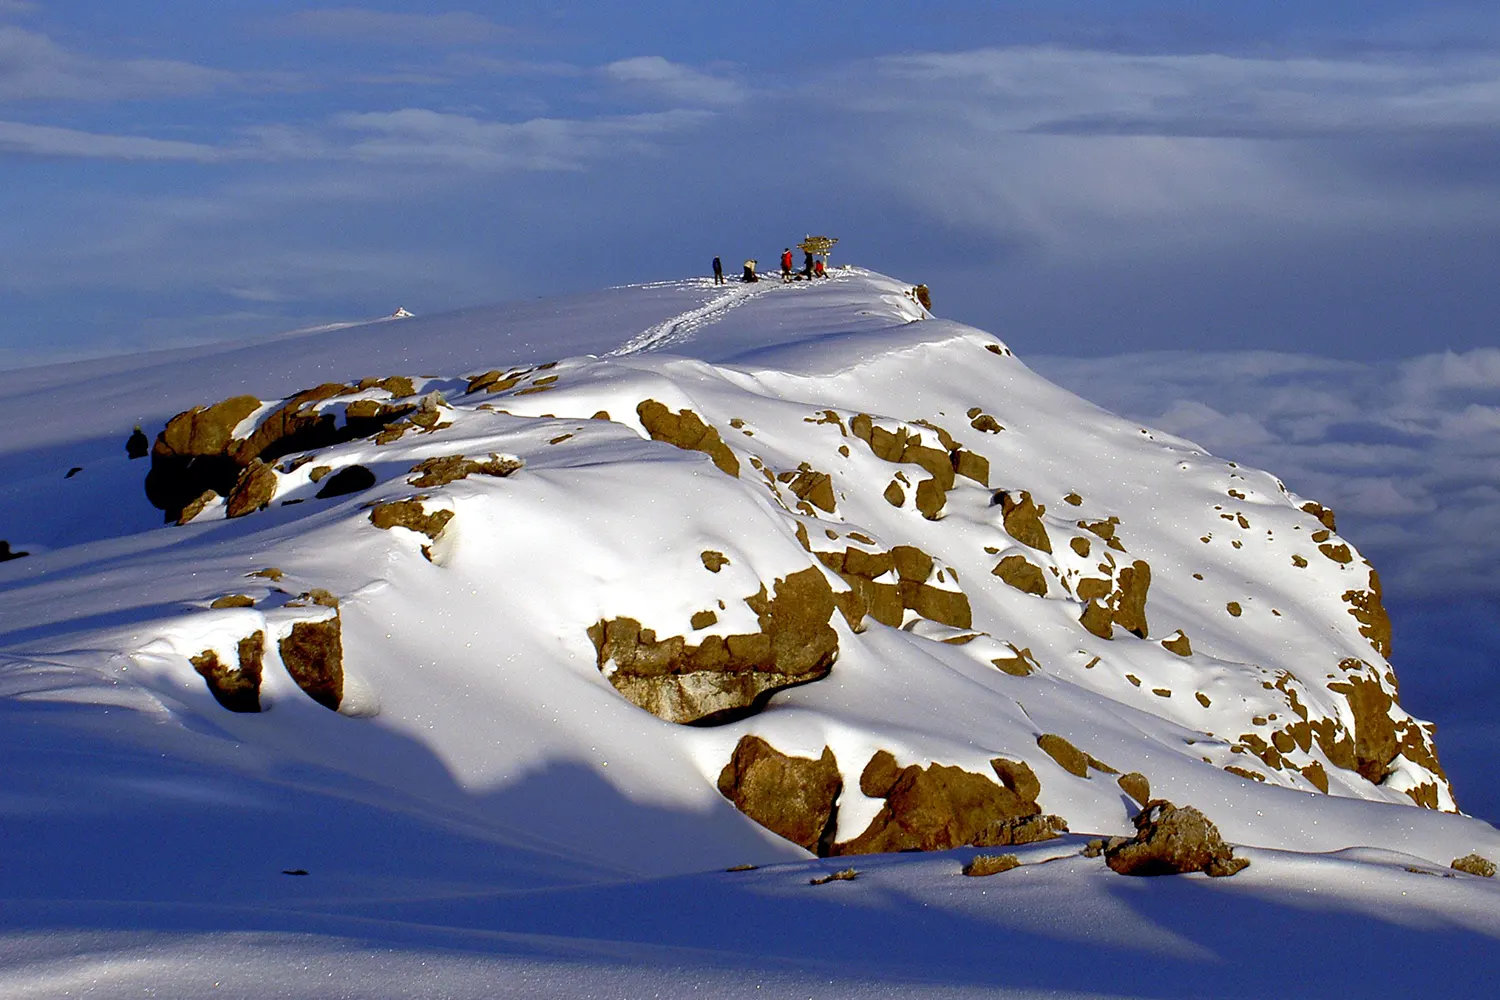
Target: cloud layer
1407,452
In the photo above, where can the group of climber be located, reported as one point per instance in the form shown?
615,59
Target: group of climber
812,267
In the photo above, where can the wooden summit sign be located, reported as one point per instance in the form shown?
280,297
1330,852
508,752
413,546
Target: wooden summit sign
817,245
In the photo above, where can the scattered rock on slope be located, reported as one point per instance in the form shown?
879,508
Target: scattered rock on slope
314,655
236,689
793,797
1170,841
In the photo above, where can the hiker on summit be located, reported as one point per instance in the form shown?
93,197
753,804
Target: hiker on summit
718,272
786,265
750,274
807,265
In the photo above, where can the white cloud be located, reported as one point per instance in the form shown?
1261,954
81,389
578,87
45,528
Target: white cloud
359,24
34,68
658,77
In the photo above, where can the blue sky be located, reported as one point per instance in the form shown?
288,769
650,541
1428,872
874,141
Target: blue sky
1083,178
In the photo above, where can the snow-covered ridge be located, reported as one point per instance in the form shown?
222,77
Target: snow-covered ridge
842,524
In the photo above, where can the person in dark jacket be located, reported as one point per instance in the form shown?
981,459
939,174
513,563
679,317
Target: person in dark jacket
718,272
807,265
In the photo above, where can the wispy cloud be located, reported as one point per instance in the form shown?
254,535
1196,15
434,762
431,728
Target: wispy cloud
46,140
360,24
660,78
34,68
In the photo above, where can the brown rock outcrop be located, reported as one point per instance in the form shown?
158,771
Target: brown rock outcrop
1018,776
1023,519
253,490
1475,864
724,678
1171,841
235,689
688,431
197,450
314,655
410,514
942,464
888,602
793,797
1069,757
1374,730
938,807
451,468
1368,609
1022,574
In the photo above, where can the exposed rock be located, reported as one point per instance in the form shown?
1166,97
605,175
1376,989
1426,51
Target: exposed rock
269,573
1170,841
936,808
813,486
196,507
1368,609
1023,520
197,450
233,601
793,797
1022,574
923,296
239,689
703,619
1323,514
713,561
450,468
7,554
1018,776
843,875
1022,664
1374,731
1338,553
410,514
1096,618
888,602
986,423
1136,786
1475,864
1069,757
252,491
724,678
1129,601
137,445
314,655
990,864
687,430
1178,643
350,479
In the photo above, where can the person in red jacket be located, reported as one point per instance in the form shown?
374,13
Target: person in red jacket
786,264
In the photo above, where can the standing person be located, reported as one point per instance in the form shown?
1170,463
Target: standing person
807,264
786,264
718,272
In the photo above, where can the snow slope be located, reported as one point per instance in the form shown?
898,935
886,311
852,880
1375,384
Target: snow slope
486,799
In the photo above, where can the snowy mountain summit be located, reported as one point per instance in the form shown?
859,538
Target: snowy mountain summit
674,577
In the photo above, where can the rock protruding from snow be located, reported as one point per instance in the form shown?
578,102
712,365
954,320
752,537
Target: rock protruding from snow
793,797
1172,840
938,807
724,677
